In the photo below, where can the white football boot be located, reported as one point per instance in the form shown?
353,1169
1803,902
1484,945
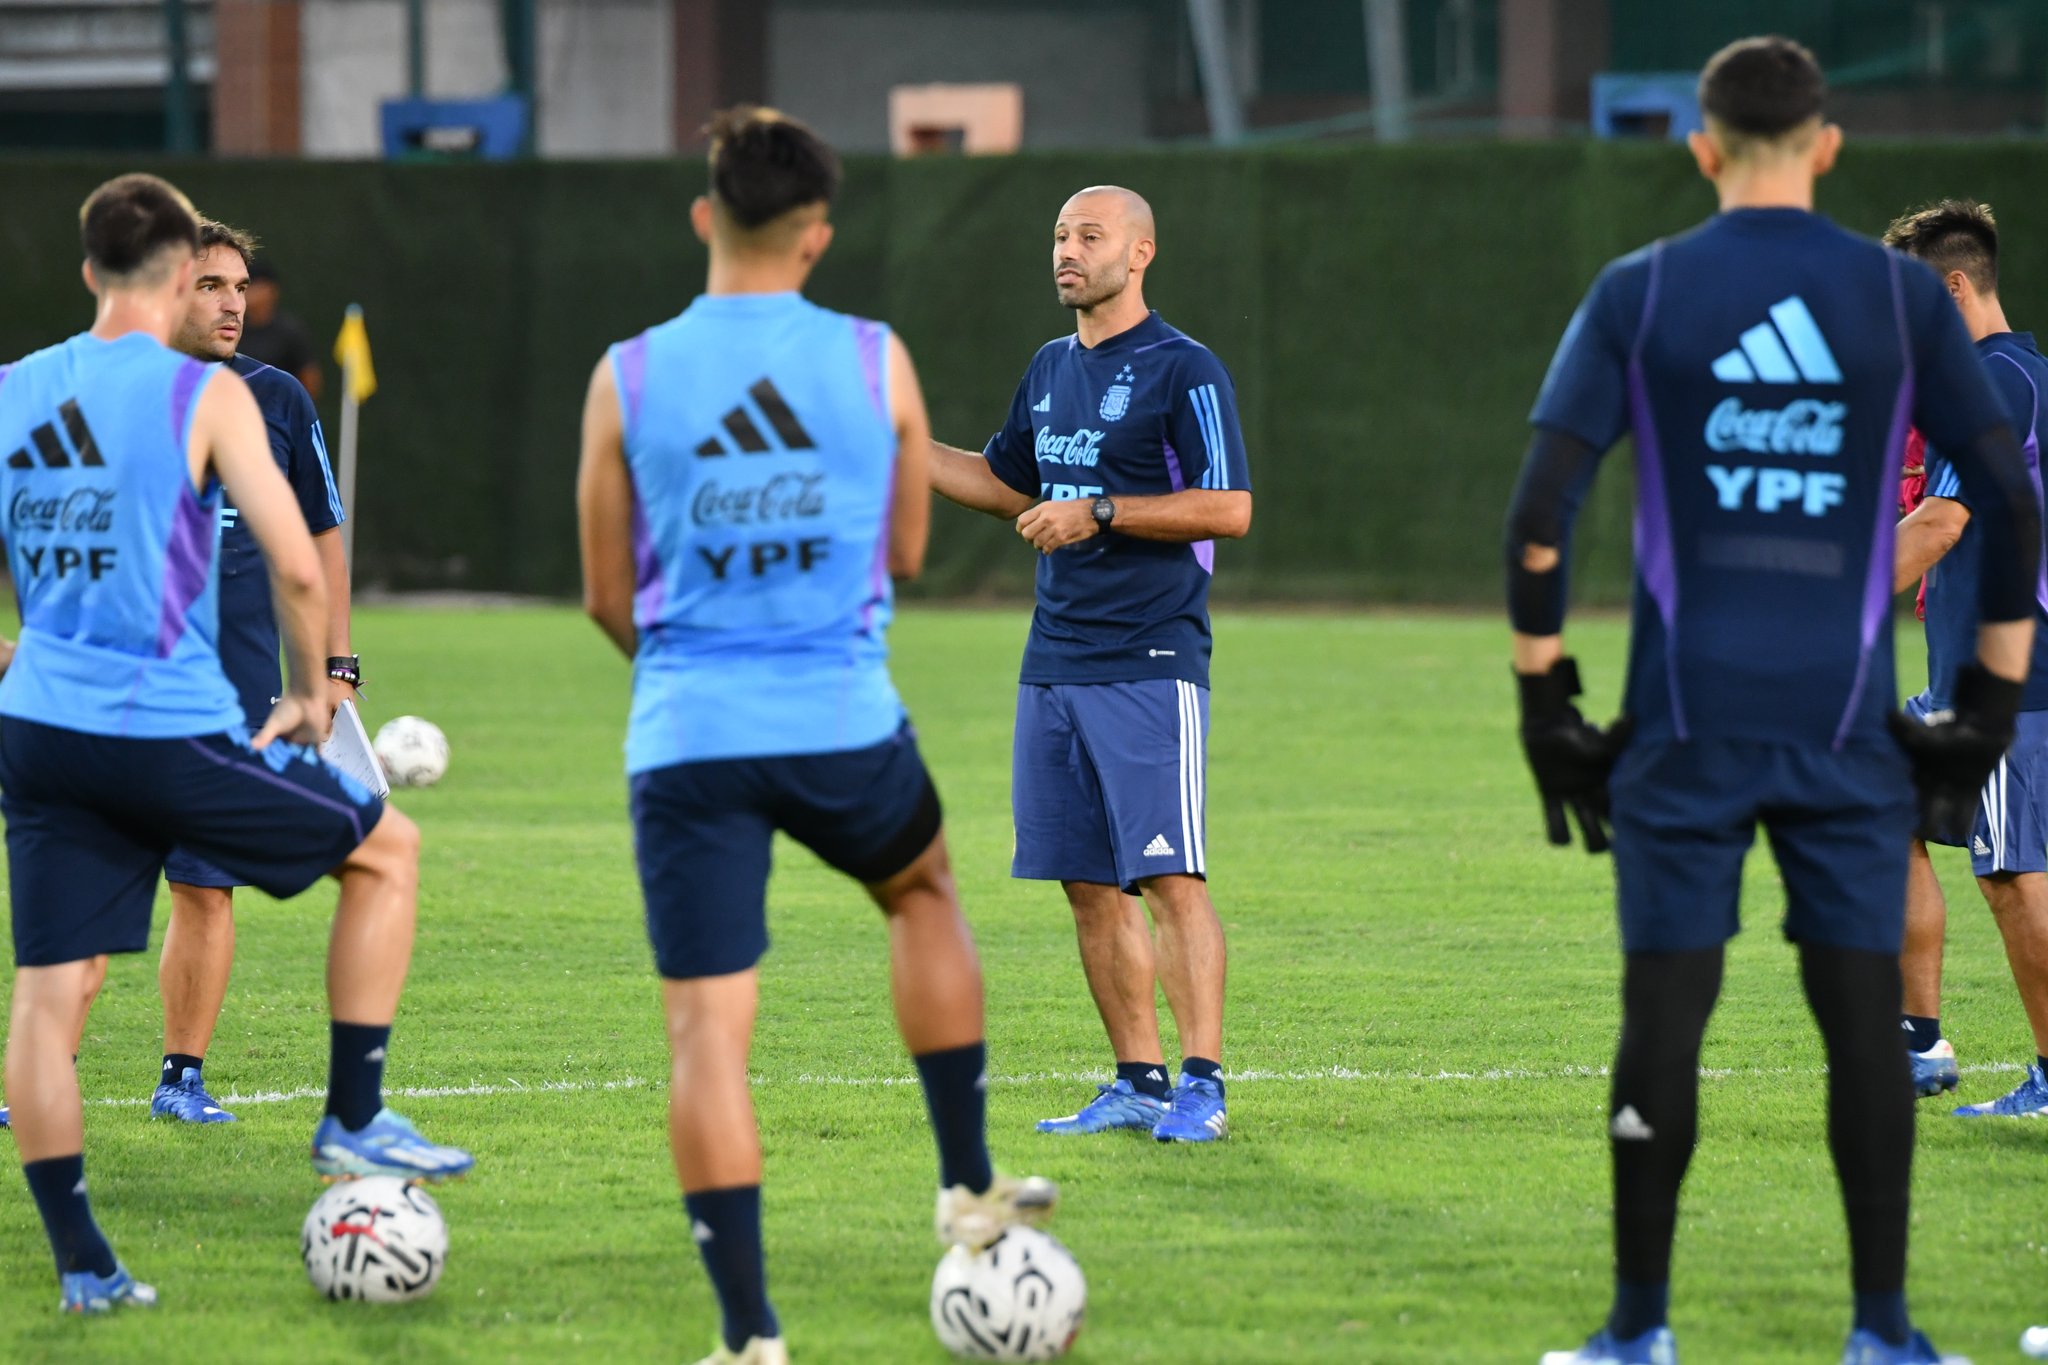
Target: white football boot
974,1220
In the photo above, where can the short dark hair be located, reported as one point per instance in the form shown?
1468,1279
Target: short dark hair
1762,89
127,222
764,164
1951,234
213,233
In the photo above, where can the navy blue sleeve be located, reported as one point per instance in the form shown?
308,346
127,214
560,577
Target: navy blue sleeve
2016,395
1585,394
309,472
1011,454
1202,425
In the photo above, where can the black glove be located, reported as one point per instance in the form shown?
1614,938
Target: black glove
1954,751
1571,758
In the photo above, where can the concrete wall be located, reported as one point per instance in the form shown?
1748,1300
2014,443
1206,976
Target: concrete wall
604,71
1084,70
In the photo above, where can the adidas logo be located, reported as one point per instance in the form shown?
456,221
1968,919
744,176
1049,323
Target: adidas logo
1043,405
375,1054
1790,352
1977,847
1155,1075
1628,1126
52,451
1159,848
700,1231
739,425
79,1189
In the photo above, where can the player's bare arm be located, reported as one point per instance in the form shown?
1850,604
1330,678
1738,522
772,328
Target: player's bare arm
604,514
963,476
228,436
910,519
1931,531
1175,518
334,571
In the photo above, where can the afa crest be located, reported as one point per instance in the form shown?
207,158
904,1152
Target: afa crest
1117,401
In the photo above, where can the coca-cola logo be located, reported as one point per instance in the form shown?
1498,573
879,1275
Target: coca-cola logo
81,509
1806,426
786,497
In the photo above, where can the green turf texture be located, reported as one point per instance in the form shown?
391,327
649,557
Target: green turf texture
1422,995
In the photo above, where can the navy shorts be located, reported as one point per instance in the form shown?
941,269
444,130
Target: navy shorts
90,818
248,655
2011,831
1107,781
702,834
1839,822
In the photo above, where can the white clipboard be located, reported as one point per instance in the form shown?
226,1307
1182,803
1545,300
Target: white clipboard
348,748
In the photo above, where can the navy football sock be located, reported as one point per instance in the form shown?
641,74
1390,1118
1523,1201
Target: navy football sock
1921,1032
1885,1315
1202,1069
2042,1062
1870,1121
175,1064
956,1097
727,1227
355,1072
58,1184
1147,1078
1638,1308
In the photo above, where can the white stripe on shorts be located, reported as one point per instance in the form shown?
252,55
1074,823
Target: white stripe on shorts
1195,784
1187,841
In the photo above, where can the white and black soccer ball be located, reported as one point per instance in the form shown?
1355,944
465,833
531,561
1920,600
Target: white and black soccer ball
378,1239
1020,1298
414,752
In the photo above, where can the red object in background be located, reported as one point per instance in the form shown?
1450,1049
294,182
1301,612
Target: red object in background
1913,492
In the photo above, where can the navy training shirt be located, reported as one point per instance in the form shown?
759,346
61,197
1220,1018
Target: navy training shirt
248,624
1146,412
2020,375
1768,364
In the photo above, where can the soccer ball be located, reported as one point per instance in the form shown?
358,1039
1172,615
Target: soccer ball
379,1239
414,752
1020,1298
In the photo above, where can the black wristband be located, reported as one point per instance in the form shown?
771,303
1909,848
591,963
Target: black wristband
346,668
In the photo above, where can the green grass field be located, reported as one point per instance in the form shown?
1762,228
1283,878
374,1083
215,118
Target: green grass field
1422,999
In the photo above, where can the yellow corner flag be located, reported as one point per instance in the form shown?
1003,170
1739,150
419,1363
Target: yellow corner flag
352,353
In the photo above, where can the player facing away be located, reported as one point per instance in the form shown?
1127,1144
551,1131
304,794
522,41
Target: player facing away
1767,365
753,475
199,940
121,738
1122,463
2008,841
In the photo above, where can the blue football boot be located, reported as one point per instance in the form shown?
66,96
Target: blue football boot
386,1145
1654,1347
3,1116
1116,1105
1194,1114
85,1292
1867,1348
187,1101
2029,1100
1935,1069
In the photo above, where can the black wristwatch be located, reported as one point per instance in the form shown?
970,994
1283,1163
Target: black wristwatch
346,668
1104,510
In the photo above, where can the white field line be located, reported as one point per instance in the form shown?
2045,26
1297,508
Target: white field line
1334,1073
